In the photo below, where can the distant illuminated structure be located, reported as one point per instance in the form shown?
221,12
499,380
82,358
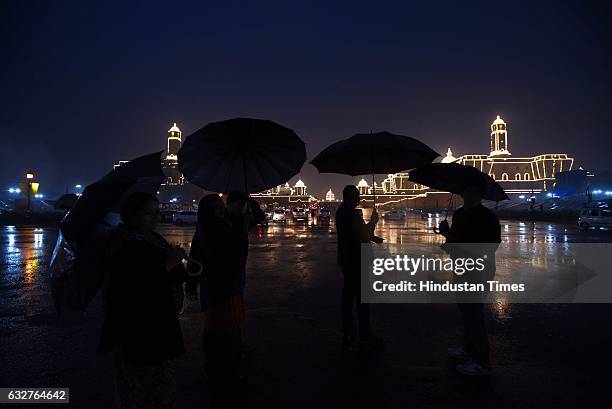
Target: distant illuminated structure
170,163
534,174
499,138
517,175
299,188
283,195
449,158
363,187
330,196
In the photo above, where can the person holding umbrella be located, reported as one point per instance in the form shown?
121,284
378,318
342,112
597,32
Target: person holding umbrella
352,233
141,327
479,227
364,154
474,223
217,245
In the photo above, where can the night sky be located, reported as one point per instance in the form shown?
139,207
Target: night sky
84,84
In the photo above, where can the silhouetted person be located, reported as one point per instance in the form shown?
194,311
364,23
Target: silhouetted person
473,223
352,233
141,325
218,246
244,213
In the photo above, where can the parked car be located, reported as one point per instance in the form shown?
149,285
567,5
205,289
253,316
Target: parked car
269,213
324,214
595,217
394,215
279,216
185,217
300,214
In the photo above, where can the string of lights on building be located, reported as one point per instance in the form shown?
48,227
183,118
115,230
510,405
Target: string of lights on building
519,176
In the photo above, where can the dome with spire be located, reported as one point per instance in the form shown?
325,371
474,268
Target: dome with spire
498,121
363,183
449,158
299,183
174,128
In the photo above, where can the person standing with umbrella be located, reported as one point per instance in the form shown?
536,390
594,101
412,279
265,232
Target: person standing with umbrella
241,156
364,154
475,232
141,327
352,233
216,245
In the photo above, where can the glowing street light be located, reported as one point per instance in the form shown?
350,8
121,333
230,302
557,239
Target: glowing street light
29,175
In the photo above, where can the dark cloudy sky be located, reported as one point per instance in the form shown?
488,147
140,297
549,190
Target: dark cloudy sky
86,83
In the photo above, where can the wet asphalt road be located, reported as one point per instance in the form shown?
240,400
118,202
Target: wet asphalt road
544,356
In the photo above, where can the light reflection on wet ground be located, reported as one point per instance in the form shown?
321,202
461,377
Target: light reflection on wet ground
26,250
294,286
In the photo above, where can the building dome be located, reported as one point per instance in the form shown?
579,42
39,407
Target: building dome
498,121
449,158
174,128
299,183
363,183
330,196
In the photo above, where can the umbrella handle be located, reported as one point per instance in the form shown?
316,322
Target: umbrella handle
198,265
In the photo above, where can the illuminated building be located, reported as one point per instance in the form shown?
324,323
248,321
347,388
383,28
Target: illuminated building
299,188
363,187
517,175
449,158
330,196
533,174
284,195
170,163
175,189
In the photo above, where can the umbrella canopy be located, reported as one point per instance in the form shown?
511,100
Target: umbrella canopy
454,178
244,154
66,201
380,152
77,267
106,195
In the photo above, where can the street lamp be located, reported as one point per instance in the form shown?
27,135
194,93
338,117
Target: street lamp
31,187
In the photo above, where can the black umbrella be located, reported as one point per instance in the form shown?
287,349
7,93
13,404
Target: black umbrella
66,201
454,178
105,196
77,268
367,154
244,154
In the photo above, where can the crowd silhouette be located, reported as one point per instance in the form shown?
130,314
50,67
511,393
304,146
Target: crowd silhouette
141,328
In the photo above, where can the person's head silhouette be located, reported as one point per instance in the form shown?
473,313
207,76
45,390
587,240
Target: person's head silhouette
140,212
210,206
235,202
473,194
350,196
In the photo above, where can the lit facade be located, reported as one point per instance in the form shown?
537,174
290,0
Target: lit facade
533,174
285,194
517,175
170,163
